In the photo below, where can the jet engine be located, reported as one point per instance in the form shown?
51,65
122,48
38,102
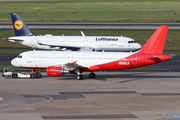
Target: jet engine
56,71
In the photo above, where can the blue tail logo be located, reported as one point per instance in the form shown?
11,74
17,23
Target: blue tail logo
20,27
18,24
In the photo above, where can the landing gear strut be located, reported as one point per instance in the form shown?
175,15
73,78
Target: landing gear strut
92,75
79,77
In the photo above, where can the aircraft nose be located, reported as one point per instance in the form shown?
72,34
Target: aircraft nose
13,62
139,46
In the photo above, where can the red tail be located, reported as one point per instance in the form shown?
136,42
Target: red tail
156,43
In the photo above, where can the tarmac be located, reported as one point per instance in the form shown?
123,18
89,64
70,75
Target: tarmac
118,95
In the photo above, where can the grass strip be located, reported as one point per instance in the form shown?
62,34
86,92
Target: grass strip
17,69
11,51
93,10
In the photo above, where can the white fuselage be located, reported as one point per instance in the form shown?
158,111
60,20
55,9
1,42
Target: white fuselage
97,43
44,59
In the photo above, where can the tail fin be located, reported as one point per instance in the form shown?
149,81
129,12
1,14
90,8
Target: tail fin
19,26
156,42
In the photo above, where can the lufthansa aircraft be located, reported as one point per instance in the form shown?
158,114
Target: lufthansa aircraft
58,63
93,43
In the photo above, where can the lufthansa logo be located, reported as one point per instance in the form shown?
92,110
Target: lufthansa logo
18,24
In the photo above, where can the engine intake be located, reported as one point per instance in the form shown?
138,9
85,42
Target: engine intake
56,71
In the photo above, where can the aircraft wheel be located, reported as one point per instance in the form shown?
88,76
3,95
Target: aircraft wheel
32,76
79,77
92,75
15,76
38,75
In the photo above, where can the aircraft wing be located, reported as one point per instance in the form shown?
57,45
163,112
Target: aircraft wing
67,47
73,48
63,46
69,65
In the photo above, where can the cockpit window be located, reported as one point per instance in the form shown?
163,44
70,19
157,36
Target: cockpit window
131,41
19,56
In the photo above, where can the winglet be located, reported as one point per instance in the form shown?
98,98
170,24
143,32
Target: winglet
82,33
74,63
156,42
19,26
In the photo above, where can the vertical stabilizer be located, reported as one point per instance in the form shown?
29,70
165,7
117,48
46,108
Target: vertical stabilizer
156,42
19,26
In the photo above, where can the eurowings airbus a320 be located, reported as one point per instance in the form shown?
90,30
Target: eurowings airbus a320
92,43
58,63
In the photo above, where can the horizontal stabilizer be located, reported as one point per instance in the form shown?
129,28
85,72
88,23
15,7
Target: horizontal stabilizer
172,55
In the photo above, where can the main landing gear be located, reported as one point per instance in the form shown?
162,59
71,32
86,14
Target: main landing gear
92,75
80,77
35,74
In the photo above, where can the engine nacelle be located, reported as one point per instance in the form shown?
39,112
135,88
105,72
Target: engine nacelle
56,71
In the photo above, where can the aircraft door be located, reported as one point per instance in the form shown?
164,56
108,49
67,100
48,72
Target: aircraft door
29,55
134,59
34,42
121,42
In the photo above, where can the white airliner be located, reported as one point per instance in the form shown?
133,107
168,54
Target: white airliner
58,63
96,43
